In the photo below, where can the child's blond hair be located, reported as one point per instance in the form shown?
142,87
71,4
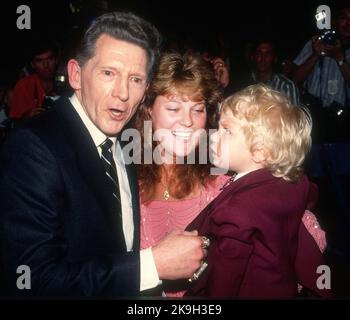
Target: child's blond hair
272,123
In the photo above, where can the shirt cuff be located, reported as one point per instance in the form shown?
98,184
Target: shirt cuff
149,275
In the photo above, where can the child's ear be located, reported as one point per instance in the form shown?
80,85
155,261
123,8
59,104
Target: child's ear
259,154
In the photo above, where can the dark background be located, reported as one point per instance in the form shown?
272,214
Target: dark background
290,23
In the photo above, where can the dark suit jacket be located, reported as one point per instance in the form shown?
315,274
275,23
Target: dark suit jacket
260,248
58,214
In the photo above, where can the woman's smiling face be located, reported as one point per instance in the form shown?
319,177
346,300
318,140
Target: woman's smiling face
178,123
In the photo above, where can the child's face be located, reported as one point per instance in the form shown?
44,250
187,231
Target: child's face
229,148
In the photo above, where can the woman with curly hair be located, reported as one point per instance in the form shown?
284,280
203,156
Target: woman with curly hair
182,105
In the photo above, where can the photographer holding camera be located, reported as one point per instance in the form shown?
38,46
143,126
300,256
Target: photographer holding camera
322,67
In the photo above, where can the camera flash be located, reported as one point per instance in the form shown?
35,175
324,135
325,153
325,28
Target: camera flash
339,112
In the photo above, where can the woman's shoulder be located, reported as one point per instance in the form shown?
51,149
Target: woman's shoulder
214,187
222,179
218,183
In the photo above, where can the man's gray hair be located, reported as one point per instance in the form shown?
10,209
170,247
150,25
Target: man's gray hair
124,26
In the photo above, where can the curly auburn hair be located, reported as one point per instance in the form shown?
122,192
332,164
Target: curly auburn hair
186,75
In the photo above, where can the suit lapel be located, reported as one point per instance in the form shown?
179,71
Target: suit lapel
91,166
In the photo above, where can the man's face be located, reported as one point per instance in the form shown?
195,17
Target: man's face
343,23
111,85
45,64
264,57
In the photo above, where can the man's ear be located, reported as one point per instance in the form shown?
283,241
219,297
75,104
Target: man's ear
74,74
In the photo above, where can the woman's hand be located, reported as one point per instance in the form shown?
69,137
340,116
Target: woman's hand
222,73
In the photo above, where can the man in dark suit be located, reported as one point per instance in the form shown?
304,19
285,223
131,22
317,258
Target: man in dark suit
69,204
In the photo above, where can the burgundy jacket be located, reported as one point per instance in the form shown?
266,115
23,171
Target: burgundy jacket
259,246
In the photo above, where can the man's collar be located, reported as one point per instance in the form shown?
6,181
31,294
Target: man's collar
96,134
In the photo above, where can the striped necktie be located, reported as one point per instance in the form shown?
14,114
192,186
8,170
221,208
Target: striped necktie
111,170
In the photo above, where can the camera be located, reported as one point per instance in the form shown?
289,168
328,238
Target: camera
329,37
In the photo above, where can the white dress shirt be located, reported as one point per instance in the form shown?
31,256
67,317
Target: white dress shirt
240,175
149,275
